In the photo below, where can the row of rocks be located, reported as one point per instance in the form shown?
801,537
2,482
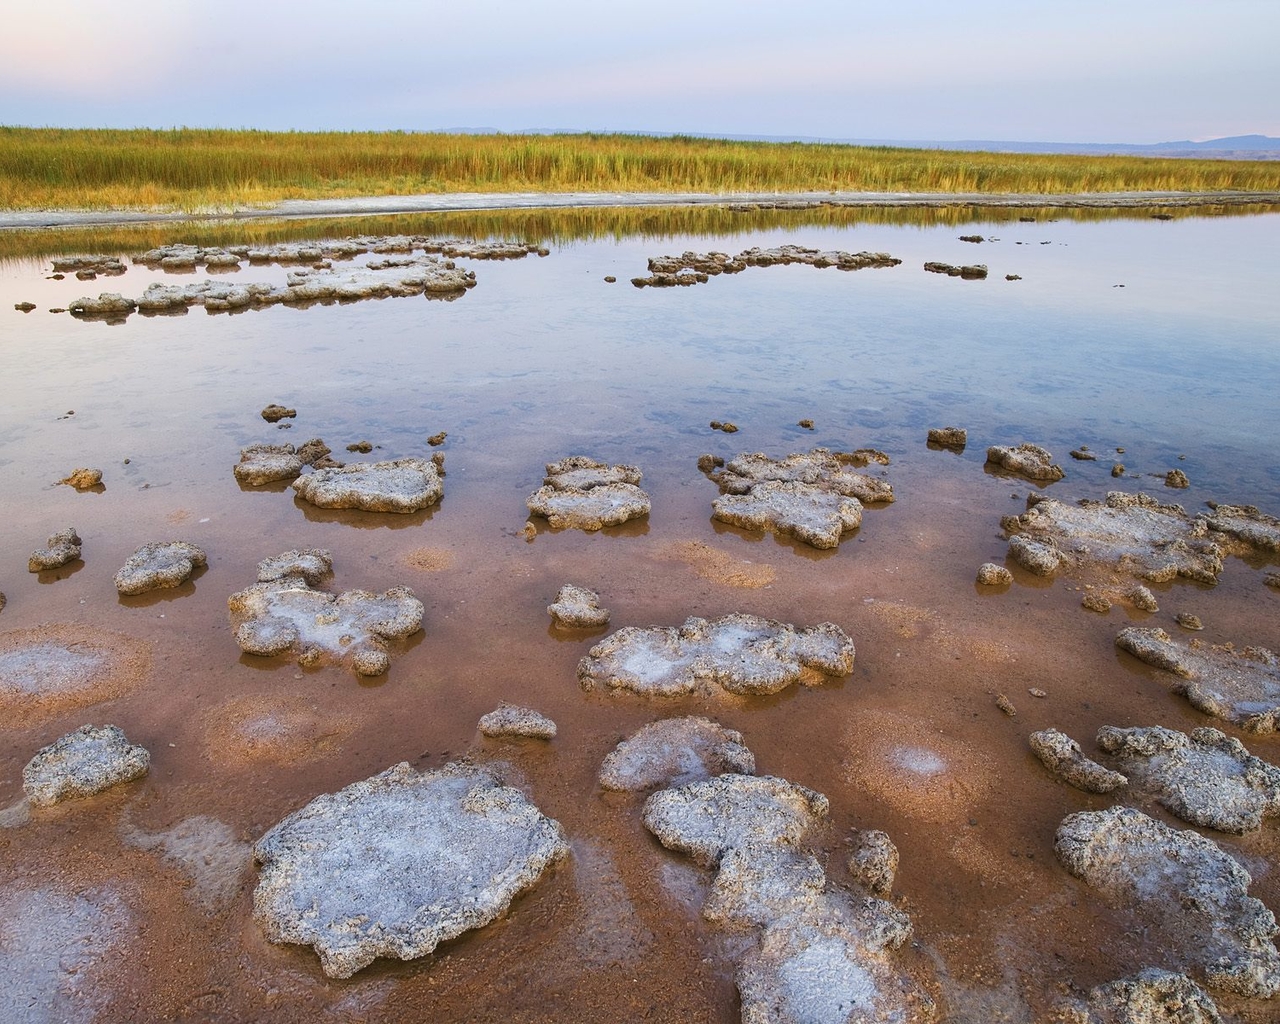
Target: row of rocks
697,268
186,257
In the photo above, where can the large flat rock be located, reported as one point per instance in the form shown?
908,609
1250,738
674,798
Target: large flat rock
398,485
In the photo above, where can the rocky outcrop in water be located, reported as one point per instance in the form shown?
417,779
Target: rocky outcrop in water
83,479
186,257
1253,530
83,763
974,272
948,437
510,720
396,864
107,266
1028,460
400,485
61,549
1063,757
743,654
577,608
267,463
580,493
108,305
673,752
697,268
158,566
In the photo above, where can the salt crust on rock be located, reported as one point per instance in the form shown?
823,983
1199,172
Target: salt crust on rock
821,467
580,493
1152,996
673,752
314,565
286,614
577,607
1184,883
1239,686
400,485
82,763
1029,460
396,864
267,463
62,548
744,654
1209,779
1246,524
509,720
1064,758
156,566
808,513
1129,533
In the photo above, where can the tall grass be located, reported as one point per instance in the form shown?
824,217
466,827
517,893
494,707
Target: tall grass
197,168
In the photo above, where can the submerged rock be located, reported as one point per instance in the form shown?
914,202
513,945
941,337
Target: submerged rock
577,607
744,654
673,752
354,627
160,565
396,864
83,763
1129,533
1029,460
267,463
1152,996
948,437
509,720
82,479
400,485
1064,758
62,548
580,493
1210,779
1239,686
1183,883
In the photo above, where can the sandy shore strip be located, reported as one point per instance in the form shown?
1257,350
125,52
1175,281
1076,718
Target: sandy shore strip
463,201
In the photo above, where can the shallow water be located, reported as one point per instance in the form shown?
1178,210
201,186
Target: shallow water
1180,367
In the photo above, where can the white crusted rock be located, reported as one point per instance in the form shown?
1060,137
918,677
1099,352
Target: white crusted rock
157,566
399,485
61,549
1063,757
577,608
673,752
509,720
1029,460
267,463
82,763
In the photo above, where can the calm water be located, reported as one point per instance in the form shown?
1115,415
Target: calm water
1158,337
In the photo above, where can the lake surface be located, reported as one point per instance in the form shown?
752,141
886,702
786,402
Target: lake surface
1158,337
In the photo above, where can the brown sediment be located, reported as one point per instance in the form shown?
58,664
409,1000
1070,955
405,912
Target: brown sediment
279,729
719,566
430,559
61,666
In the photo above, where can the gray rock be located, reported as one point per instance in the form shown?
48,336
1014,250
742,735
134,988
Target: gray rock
948,437
1239,686
972,272
62,548
1142,599
673,752
1210,779
744,654
821,468
267,463
1152,996
82,763
396,864
992,575
1127,533
509,720
314,565
400,485
580,493
1186,886
698,268
108,304
810,514
109,266
1255,531
354,627
577,608
1064,758
160,565
1029,460
873,860
1189,621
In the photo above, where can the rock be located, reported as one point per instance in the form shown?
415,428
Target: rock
108,304
354,627
1152,996
971,238
807,424
1209,779
1142,599
697,268
873,860
396,864
1096,602
1117,469
62,548
1013,277
160,565
267,463
992,575
949,437
1127,533
708,462
1183,884
810,514
1006,705
1064,758
363,447
436,440
674,752
83,479
610,279
1028,460
400,485
509,720
1239,686
83,763
314,452
1035,691
580,493
273,413
743,654
313,565
821,467
1083,455
577,608
24,307
1176,478
1272,579
1255,531
975,272
3,601
1188,621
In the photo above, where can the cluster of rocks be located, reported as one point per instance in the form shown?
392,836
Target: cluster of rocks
270,463
83,763
1152,996
742,654
285,612
185,257
673,752
86,268
157,566
696,268
815,497
580,493
975,272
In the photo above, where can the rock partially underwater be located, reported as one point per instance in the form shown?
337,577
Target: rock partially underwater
697,268
400,485
1062,755
396,864
83,763
1239,686
580,493
673,752
577,608
61,549
182,256
1028,460
510,720
158,566
267,463
743,654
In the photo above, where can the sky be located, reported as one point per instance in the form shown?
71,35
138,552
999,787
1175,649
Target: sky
1119,71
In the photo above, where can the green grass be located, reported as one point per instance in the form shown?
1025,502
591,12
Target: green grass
42,168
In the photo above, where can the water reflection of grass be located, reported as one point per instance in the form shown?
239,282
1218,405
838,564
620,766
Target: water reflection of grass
194,168
557,225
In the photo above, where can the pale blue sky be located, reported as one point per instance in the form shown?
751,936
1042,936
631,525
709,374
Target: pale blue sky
1086,71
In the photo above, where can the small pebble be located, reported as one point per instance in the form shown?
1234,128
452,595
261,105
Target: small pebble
1035,691
610,279
1005,705
1142,599
992,575
1188,621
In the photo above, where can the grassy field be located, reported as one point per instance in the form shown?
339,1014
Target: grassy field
189,169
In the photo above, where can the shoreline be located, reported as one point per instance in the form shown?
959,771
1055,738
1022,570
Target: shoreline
298,209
